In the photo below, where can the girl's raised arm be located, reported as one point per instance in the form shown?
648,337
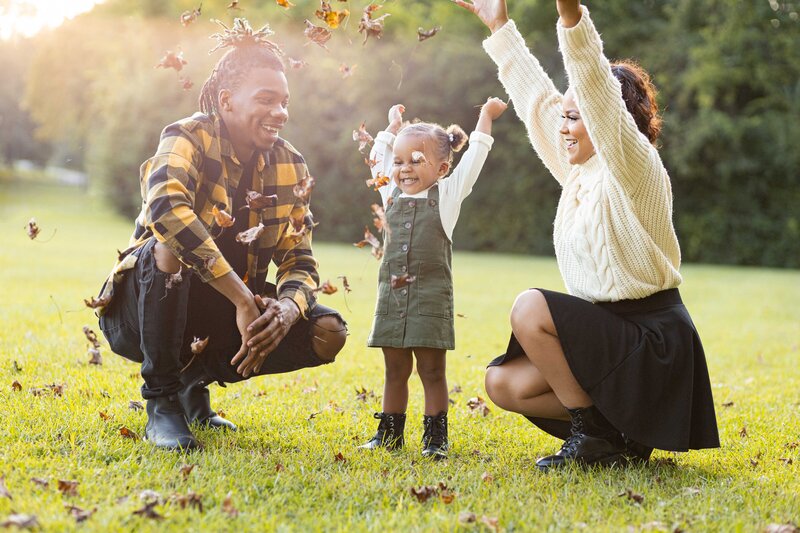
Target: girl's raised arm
616,137
381,158
536,99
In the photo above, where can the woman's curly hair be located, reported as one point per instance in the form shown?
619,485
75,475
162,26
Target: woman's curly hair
639,94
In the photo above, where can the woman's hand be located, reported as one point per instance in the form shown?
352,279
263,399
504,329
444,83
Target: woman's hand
493,13
395,118
490,111
569,11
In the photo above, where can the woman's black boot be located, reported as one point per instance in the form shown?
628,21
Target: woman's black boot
635,452
434,438
389,434
592,441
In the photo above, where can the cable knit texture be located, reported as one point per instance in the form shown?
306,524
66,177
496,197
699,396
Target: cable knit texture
613,233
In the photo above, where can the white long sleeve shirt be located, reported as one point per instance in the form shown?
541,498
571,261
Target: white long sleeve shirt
613,233
453,189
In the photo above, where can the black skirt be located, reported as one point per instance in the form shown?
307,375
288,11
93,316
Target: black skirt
641,362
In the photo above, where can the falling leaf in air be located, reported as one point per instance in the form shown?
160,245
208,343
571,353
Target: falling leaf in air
296,64
95,357
174,279
370,240
251,235
186,83
286,4
222,218
234,5
79,514
198,345
403,280
94,303
378,181
172,60
128,434
21,521
327,288
379,217
258,202
189,16
478,406
328,15
362,394
370,162
304,188
32,228
209,262
369,26
418,157
148,511
91,336
362,136
456,389
68,487
317,34
345,284
135,405
637,498
228,507
347,71
423,34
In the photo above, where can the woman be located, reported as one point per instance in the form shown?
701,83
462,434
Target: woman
618,356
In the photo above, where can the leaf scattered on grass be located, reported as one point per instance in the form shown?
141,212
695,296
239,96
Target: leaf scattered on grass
105,416
135,405
148,511
187,469
466,517
228,507
32,228
44,483
491,522
16,386
279,467
128,434
727,404
190,499
743,432
637,498
362,394
789,527
68,487
79,514
22,521
486,477
4,490
477,406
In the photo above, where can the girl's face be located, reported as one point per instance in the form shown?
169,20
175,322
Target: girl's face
579,145
416,165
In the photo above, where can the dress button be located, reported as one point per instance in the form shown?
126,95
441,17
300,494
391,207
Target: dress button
412,203
407,225
404,292
432,203
404,247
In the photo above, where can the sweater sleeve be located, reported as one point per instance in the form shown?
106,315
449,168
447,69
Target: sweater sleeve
625,150
537,102
382,154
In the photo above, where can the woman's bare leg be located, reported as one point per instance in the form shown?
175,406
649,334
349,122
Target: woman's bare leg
518,386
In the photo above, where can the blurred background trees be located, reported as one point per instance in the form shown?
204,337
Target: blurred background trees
86,95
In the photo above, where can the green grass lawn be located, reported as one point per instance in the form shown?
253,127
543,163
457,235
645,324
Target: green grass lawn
280,468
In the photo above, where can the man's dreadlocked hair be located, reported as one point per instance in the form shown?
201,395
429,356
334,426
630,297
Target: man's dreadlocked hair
249,50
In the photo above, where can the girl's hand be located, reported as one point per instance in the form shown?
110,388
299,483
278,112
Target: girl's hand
493,13
493,108
569,11
396,118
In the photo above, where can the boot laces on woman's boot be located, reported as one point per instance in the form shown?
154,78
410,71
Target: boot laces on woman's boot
593,441
434,438
390,432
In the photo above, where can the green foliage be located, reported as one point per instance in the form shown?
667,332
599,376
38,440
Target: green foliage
728,75
744,486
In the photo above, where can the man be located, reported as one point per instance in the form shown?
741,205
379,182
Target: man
222,197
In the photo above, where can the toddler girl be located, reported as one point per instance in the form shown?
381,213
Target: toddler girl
414,311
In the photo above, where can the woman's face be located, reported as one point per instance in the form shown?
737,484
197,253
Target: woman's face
579,146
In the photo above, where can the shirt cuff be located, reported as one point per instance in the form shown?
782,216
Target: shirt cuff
482,138
385,137
581,39
299,298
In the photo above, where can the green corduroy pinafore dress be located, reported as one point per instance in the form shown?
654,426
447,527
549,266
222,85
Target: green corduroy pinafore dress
419,314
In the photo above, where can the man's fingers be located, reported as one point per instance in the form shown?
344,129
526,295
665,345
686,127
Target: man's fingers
263,320
240,354
266,342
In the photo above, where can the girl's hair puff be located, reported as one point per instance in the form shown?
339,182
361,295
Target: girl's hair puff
446,141
639,94
248,49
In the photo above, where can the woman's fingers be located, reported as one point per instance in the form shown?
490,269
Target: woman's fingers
465,5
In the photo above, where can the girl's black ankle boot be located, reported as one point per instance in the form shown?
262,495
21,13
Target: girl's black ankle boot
593,441
390,432
434,438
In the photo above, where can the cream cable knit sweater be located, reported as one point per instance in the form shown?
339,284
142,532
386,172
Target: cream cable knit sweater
613,232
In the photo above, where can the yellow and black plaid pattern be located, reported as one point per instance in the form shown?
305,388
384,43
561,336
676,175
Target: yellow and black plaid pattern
195,169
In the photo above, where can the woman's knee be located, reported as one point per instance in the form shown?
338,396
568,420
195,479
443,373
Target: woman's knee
328,337
529,311
496,386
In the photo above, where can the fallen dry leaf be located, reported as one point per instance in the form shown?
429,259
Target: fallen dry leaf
327,288
94,357
378,181
16,386
447,496
279,467
296,64
187,469
339,458
222,218
190,499
371,27
68,487
135,405
466,517
41,482
362,394
91,336
491,522
21,521
105,416
79,514
94,303
486,477
228,507
423,493
317,34
423,35
638,498
743,432
786,460
258,202
172,60
328,15
148,511
403,280
128,434
32,228
362,137
286,4
304,188
456,389
477,405
199,345
4,490
56,388
782,528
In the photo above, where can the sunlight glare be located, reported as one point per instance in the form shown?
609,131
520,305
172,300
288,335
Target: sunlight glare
28,17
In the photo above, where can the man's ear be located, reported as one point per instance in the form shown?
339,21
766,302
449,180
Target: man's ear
224,99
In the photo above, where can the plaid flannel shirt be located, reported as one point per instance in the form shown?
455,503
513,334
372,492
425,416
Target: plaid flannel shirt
195,169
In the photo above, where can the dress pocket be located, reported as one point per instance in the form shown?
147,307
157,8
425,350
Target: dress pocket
434,290
384,290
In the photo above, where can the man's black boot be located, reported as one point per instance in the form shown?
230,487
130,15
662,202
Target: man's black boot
389,434
166,424
434,437
593,441
196,401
